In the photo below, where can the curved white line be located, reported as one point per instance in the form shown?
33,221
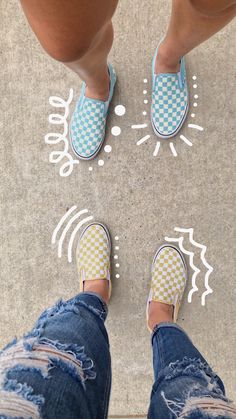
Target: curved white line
186,140
194,268
194,126
65,216
139,126
141,141
173,150
72,237
209,268
66,229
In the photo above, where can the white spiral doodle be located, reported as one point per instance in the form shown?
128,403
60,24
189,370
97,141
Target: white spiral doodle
56,138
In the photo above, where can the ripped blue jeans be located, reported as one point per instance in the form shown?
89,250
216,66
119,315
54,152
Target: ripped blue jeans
62,369
185,386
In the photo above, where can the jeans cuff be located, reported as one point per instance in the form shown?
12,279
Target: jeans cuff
165,324
93,302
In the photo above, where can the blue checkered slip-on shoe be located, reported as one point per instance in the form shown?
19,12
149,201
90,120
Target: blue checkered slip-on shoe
88,122
170,101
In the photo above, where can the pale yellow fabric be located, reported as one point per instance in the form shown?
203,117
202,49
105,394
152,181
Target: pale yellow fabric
168,277
93,254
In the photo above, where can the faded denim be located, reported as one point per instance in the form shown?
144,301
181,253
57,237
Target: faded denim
62,369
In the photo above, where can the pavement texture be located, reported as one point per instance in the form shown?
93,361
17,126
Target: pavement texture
141,198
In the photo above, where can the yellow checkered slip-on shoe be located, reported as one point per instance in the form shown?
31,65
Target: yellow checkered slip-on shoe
169,277
93,254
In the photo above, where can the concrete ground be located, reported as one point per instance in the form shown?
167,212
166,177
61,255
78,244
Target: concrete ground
140,197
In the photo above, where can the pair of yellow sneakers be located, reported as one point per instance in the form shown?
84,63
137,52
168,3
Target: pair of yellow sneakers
169,270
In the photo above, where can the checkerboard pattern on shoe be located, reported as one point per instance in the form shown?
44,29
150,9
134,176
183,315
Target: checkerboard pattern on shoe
168,276
88,122
88,127
93,254
169,101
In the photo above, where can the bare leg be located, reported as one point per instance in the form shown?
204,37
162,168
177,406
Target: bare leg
192,22
78,33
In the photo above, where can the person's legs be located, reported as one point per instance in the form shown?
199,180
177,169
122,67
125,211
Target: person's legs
78,33
192,22
185,386
62,368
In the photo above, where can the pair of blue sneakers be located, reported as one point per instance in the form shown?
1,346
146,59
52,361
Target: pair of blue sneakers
168,111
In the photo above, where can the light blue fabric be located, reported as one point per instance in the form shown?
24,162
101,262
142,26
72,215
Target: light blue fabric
88,122
169,100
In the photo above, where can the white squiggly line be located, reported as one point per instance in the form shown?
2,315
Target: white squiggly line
191,257
209,268
55,138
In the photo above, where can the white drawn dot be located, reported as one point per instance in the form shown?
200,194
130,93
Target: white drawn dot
100,162
144,113
107,148
195,104
116,238
90,168
120,110
115,131
116,247
117,265
195,96
195,86
145,80
116,257
117,276
194,77
145,92
193,115
145,101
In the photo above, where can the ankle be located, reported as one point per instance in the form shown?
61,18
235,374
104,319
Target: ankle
159,313
98,286
99,89
167,60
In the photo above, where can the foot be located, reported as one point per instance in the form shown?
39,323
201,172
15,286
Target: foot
159,313
169,94
88,122
93,260
169,276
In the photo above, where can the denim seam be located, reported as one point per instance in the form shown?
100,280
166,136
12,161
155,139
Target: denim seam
106,393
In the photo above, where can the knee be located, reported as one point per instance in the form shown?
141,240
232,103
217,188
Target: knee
66,51
211,9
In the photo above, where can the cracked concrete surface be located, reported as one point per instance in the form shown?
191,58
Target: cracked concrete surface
140,197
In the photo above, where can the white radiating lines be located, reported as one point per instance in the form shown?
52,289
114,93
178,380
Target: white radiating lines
156,151
195,126
185,140
196,270
139,126
173,150
171,144
69,223
143,139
